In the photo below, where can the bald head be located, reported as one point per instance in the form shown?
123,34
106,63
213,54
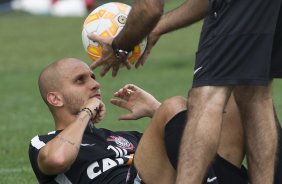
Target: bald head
50,78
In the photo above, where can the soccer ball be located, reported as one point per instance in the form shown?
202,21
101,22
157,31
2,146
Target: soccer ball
107,21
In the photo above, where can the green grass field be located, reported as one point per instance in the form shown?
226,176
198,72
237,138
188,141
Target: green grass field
28,43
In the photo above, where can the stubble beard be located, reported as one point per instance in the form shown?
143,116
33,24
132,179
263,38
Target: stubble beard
73,104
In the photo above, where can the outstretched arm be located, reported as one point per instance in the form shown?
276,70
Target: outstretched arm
139,102
188,13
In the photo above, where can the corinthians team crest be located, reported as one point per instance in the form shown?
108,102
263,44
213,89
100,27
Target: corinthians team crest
121,142
121,19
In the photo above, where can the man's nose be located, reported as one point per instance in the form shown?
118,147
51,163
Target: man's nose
95,84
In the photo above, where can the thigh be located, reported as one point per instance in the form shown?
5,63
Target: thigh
151,159
236,43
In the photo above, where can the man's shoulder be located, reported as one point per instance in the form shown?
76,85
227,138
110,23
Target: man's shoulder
39,141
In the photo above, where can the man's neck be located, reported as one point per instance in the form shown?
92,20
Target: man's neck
63,120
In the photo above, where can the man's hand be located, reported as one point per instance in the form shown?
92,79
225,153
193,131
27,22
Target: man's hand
137,101
151,41
108,59
97,108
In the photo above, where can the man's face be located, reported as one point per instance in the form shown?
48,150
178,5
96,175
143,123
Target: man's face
78,85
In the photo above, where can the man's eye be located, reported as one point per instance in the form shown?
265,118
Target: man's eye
79,80
93,76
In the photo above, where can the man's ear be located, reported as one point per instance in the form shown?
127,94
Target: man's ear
55,99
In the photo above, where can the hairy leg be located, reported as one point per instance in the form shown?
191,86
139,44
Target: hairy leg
231,145
256,109
150,158
201,135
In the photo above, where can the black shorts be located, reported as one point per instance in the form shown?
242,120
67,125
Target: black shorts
240,43
221,171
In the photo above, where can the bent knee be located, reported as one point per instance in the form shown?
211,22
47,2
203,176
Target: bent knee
168,109
174,105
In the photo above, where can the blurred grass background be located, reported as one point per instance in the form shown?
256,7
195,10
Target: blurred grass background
28,43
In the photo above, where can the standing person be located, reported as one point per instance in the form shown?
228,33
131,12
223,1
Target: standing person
236,48
234,55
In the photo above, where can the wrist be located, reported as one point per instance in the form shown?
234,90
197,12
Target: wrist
120,52
153,109
84,117
88,112
157,32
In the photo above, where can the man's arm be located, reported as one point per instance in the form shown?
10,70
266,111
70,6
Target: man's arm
188,13
59,154
142,18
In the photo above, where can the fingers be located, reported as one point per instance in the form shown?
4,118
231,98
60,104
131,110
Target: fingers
94,37
101,113
151,41
127,65
144,57
104,59
115,70
125,92
108,59
105,70
108,63
128,92
119,103
127,117
131,87
99,117
118,63
96,63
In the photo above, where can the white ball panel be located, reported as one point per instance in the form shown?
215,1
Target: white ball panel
85,40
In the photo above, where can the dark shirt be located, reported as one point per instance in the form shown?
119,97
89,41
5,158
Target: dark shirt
104,157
